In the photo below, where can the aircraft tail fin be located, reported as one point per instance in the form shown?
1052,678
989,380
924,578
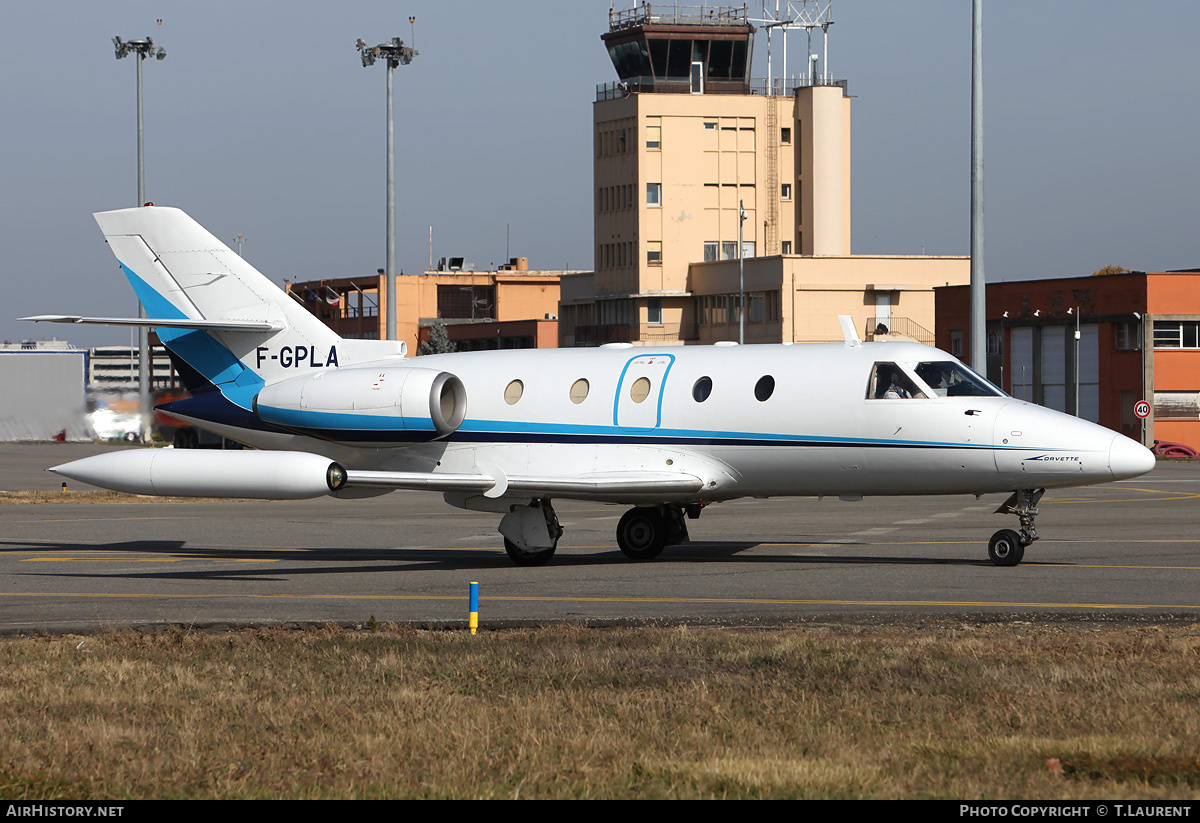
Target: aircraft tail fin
233,325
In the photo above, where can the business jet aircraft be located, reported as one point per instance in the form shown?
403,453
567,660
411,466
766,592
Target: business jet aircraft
666,431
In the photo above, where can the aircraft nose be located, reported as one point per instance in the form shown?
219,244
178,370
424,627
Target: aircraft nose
1127,458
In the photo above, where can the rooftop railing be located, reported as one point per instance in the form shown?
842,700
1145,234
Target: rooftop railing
778,87
674,14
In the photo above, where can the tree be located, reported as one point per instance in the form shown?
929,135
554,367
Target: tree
1110,270
439,341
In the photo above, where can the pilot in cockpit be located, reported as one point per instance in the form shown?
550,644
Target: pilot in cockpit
893,384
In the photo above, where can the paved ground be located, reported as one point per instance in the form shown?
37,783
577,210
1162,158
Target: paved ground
1108,552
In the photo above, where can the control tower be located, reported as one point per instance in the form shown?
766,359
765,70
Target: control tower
681,138
681,50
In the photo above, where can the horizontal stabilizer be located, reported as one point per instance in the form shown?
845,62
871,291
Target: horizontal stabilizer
159,322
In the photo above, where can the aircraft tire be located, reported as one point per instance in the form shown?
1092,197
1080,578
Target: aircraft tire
526,557
642,533
1005,548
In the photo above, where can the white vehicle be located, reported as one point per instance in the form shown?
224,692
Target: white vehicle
666,431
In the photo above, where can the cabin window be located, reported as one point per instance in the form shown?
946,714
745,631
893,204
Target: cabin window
702,389
764,388
889,382
513,392
579,391
640,390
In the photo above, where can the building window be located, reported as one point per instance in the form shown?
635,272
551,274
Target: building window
654,311
621,141
995,343
956,342
654,194
654,253
785,191
710,126
1177,334
1127,336
786,247
653,137
729,250
785,135
747,248
755,314
710,251
772,301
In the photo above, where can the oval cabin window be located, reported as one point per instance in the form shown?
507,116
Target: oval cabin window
513,392
640,390
579,391
764,388
702,389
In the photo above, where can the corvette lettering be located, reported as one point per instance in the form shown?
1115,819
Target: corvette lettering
294,357
1056,458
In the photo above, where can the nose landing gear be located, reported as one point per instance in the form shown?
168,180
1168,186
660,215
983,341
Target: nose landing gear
1007,547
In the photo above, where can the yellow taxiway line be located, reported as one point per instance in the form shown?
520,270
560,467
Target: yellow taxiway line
1007,604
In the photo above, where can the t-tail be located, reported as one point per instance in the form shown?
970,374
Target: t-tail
226,326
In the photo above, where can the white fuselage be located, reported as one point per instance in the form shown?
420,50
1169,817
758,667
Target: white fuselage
817,433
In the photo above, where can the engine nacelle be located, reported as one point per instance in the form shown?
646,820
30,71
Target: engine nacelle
363,403
199,473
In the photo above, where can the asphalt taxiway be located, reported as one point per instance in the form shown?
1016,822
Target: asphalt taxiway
1110,552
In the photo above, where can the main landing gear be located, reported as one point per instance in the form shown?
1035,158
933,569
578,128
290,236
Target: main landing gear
531,532
1007,546
645,531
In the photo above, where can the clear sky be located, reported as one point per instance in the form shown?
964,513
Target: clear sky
262,120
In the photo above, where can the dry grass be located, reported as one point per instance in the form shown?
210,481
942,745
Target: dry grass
1031,711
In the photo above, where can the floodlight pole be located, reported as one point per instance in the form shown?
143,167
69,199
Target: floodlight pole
1077,361
141,49
395,53
978,278
741,277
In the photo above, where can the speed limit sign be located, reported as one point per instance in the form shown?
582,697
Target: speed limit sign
1142,409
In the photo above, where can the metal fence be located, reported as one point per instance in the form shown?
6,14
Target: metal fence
777,87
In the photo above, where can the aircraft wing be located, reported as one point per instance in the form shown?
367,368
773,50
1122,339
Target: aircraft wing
153,322
496,483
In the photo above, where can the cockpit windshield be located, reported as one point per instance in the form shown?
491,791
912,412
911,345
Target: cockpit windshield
889,382
950,379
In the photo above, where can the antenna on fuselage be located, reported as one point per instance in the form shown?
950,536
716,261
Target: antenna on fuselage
848,331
